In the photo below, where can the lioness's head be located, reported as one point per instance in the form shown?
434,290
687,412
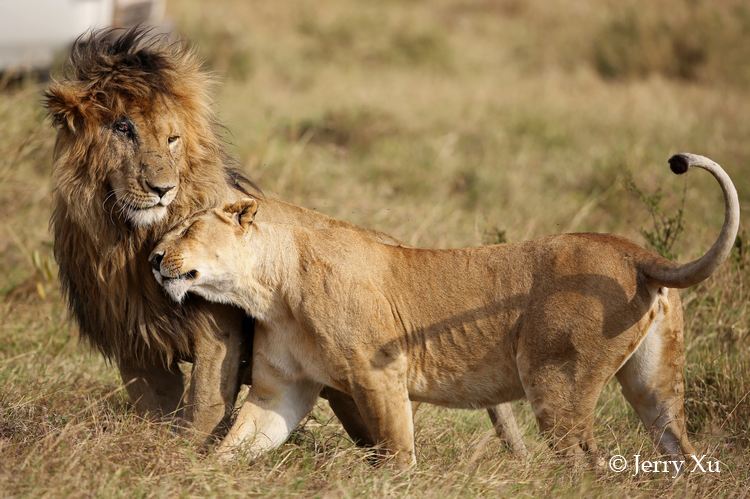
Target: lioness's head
134,127
205,254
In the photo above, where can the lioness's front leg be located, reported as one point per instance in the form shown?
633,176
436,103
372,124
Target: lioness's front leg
383,401
346,411
274,407
154,390
217,351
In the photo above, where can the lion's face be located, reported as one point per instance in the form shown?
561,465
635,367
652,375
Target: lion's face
136,139
205,254
147,158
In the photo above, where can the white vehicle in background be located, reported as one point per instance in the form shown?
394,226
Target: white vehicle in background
32,31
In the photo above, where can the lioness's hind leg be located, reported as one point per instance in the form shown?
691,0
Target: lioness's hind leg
562,389
564,409
506,428
652,381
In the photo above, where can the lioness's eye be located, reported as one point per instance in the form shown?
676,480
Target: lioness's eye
173,139
187,230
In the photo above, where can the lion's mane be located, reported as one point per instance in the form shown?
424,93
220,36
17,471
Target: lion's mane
102,260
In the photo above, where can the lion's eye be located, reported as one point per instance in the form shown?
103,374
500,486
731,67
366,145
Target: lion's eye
171,140
124,127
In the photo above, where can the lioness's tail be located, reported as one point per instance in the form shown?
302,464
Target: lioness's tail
689,274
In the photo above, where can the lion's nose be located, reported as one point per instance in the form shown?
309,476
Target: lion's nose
161,190
156,259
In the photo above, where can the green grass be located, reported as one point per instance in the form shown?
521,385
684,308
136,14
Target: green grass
445,123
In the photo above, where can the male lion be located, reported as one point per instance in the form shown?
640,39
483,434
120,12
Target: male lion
138,151
551,320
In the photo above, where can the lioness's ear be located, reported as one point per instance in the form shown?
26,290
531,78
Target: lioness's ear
247,214
65,104
243,211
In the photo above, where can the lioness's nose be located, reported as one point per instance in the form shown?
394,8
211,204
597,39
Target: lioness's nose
160,189
156,259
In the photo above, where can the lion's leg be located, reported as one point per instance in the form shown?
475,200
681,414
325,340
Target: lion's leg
506,428
273,408
154,390
383,401
217,352
346,411
652,382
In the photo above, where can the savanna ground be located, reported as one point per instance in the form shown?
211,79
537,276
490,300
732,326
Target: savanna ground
444,123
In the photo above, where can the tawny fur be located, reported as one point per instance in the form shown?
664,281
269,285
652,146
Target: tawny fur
550,320
101,258
102,233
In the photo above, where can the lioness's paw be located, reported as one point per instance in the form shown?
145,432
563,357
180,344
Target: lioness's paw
226,454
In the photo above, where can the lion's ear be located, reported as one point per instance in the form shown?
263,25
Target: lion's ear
243,211
65,104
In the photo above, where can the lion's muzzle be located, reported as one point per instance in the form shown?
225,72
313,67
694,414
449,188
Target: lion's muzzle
155,260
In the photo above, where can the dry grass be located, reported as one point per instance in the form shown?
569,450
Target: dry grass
443,123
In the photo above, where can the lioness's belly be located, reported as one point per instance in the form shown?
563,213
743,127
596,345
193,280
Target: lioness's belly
467,367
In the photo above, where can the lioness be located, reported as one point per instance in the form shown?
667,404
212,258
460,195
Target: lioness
551,320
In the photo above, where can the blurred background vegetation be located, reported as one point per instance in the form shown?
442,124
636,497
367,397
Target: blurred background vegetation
444,123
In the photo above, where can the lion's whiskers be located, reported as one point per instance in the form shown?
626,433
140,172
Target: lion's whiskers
113,192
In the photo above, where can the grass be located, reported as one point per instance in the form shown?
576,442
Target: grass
447,123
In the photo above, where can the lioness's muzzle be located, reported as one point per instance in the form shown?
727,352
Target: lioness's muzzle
156,260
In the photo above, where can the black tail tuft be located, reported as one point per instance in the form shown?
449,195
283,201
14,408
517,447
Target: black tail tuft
678,164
